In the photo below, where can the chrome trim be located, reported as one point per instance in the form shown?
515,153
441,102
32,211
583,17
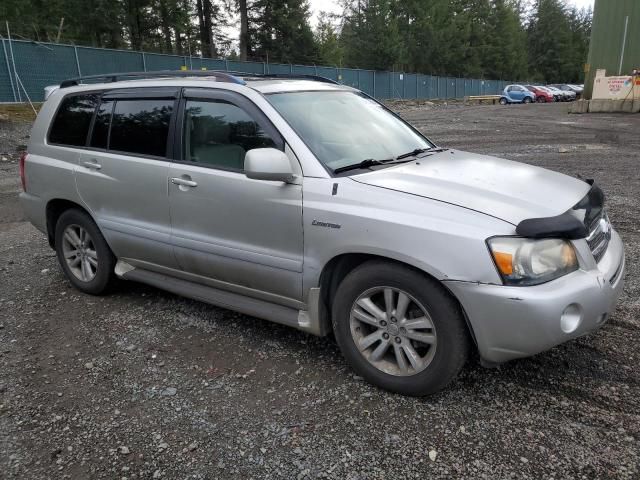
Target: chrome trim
599,236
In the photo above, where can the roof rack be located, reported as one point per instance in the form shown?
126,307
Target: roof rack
292,76
116,77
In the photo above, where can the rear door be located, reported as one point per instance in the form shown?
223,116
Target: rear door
122,175
241,234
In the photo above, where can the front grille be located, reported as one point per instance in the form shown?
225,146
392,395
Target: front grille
599,235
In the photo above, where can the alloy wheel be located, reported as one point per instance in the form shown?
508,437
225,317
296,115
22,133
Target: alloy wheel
393,331
80,253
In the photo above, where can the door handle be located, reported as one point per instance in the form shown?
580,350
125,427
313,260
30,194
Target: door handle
183,182
93,164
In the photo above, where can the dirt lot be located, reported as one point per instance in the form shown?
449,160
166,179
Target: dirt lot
145,384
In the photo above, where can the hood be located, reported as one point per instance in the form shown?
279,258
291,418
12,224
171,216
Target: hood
504,189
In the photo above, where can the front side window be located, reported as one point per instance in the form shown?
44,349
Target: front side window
72,122
219,134
141,126
344,128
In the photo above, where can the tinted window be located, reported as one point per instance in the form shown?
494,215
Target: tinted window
220,133
71,124
141,126
100,134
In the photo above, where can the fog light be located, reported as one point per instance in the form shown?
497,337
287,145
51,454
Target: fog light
571,318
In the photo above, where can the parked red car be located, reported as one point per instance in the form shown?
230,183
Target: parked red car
542,96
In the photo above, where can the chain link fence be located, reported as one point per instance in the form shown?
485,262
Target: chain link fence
26,67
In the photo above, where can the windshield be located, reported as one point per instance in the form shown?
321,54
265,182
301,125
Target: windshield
345,128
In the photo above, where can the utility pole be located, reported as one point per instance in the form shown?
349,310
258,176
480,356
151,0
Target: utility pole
624,44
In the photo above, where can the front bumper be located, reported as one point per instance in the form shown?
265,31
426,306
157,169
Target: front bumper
514,322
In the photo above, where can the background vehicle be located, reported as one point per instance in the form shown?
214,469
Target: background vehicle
542,96
569,92
517,94
556,96
563,95
408,252
576,88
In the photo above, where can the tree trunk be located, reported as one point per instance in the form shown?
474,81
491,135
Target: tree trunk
133,24
244,29
207,12
204,45
165,20
178,40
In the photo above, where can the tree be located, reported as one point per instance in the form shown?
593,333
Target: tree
326,37
505,55
580,23
371,35
280,32
550,42
468,38
243,9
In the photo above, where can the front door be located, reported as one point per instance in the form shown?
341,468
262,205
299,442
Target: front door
517,93
243,235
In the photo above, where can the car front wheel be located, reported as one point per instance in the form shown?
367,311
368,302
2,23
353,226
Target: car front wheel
399,329
526,100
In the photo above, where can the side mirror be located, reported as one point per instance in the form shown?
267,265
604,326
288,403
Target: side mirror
268,164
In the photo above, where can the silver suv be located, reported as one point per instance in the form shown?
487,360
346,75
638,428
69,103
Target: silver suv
310,204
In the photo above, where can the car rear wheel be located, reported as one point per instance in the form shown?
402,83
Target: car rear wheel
503,101
399,329
526,100
83,253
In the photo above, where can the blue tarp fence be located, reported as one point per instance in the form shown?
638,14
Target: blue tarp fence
31,66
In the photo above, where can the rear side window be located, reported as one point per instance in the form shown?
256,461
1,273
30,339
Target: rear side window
71,123
141,126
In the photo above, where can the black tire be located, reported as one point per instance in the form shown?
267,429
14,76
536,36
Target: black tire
503,101
453,342
526,100
542,99
104,277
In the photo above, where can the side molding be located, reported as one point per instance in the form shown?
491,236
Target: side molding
305,320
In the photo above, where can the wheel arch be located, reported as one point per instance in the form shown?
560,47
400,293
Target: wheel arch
54,209
338,267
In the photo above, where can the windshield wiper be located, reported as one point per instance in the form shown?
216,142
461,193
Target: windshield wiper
404,158
369,162
418,151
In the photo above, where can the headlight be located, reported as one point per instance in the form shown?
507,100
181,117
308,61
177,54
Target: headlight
524,261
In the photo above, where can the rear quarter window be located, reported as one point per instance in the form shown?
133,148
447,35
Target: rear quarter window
72,121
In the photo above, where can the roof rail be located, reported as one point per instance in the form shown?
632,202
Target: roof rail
292,76
116,77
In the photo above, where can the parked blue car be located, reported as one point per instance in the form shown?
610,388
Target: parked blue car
517,94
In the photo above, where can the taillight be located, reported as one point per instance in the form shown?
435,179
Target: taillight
23,178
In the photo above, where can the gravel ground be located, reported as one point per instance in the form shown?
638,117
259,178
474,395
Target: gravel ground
145,384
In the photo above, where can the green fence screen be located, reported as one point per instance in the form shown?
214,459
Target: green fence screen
31,66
